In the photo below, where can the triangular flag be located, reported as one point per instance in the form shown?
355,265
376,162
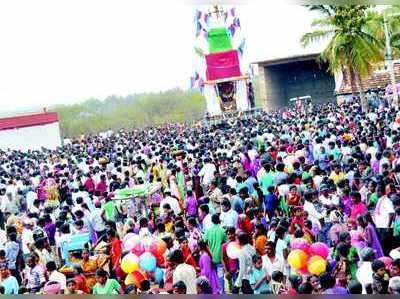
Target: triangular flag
233,12
232,30
241,47
199,51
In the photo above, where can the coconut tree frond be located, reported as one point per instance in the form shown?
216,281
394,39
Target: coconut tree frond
323,22
315,36
327,10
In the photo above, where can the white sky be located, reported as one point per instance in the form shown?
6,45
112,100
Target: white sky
64,51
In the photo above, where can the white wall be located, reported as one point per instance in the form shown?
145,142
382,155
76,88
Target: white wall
47,136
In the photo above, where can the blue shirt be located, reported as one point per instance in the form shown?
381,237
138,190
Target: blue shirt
250,184
256,275
237,204
10,285
271,202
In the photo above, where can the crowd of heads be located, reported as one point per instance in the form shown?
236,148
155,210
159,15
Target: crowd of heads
228,202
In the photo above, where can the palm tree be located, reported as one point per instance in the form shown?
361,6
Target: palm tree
375,24
351,49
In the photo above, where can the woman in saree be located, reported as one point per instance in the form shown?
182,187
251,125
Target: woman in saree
207,267
90,264
370,236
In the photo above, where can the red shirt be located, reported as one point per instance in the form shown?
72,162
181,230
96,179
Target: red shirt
80,280
231,264
296,222
115,252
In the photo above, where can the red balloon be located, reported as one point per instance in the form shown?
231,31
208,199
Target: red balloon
138,250
158,247
135,278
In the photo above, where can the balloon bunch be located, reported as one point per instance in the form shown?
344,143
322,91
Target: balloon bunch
145,259
306,258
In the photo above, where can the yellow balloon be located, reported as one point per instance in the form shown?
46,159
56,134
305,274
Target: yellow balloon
130,263
297,259
316,265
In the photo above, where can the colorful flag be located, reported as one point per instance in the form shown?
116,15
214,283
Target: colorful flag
233,12
199,28
204,33
205,18
194,80
236,22
241,47
251,71
199,51
232,30
201,85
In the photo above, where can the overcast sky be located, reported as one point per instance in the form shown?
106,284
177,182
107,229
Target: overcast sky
64,51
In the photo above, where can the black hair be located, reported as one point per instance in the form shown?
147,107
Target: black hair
376,265
305,288
176,256
51,266
101,273
354,287
181,286
145,285
215,219
327,281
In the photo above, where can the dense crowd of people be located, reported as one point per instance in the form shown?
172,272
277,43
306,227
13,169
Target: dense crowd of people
277,203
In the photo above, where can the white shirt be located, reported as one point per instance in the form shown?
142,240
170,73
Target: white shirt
270,266
173,202
313,214
229,219
96,221
207,173
187,275
26,238
384,207
58,277
207,223
30,198
364,274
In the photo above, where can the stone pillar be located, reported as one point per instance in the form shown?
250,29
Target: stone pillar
262,86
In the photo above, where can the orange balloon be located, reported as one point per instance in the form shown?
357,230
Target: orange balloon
161,247
135,278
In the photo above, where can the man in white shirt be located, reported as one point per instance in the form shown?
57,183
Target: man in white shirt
31,196
183,272
207,172
383,213
27,237
383,217
228,217
312,212
173,203
205,217
56,276
271,262
364,272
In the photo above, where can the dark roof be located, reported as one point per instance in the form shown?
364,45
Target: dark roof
28,120
377,80
289,59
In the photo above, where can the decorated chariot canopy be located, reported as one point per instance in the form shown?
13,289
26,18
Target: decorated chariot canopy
221,72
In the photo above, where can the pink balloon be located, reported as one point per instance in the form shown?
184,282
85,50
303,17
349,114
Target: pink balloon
301,244
320,249
138,250
387,261
130,241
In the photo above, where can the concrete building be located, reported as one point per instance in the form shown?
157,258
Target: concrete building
30,132
288,77
301,75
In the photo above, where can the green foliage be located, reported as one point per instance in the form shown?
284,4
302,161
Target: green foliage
139,110
352,46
